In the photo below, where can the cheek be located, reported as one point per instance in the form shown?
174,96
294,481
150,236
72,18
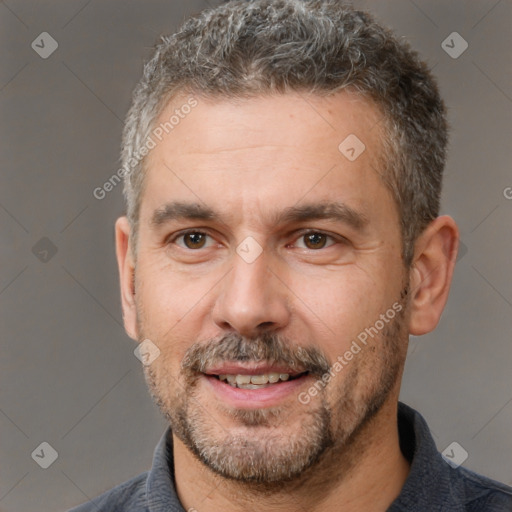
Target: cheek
171,309
167,296
343,304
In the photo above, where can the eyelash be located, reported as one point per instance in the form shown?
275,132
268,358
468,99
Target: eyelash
184,233
302,234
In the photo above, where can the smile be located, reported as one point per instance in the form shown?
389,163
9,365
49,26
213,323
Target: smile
256,381
255,386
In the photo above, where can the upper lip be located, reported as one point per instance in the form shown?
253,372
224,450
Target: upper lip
251,369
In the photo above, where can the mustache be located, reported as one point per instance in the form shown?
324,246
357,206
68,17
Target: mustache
269,347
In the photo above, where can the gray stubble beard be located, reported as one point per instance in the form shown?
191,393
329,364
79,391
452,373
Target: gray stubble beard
266,461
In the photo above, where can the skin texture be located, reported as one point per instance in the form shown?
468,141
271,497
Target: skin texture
249,161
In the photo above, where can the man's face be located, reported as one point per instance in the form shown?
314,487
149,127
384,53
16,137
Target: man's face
265,250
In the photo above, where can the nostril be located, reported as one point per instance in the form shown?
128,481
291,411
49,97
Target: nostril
265,325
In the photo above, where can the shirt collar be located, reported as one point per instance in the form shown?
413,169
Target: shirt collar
429,474
160,487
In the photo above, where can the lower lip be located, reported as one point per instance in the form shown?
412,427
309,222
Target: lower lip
255,398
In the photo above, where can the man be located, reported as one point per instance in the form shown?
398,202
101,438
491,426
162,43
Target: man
283,164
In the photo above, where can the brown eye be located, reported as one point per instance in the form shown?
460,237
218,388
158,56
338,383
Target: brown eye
194,240
315,240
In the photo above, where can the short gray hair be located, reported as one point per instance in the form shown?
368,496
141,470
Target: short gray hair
247,49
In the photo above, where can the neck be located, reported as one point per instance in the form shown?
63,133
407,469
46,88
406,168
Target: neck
373,471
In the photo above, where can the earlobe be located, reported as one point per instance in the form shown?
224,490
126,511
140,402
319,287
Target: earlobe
431,273
126,267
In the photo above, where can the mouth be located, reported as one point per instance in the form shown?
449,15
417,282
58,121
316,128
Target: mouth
254,386
257,381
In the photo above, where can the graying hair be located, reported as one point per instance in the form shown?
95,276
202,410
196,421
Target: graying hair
247,49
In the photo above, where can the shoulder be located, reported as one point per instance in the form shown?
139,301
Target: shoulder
435,483
482,493
129,496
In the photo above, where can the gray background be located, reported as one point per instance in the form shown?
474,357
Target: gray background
68,373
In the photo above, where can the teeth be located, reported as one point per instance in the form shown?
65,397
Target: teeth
254,381
250,386
243,379
259,379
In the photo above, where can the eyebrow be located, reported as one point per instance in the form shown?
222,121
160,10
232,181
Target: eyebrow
332,211
178,211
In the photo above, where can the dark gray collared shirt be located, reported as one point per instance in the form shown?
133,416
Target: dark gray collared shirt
433,485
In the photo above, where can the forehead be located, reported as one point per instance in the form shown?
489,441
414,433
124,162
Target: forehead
304,120
273,149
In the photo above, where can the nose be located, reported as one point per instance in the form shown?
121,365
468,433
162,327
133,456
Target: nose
251,299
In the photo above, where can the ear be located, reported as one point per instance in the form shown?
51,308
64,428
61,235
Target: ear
126,266
431,274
